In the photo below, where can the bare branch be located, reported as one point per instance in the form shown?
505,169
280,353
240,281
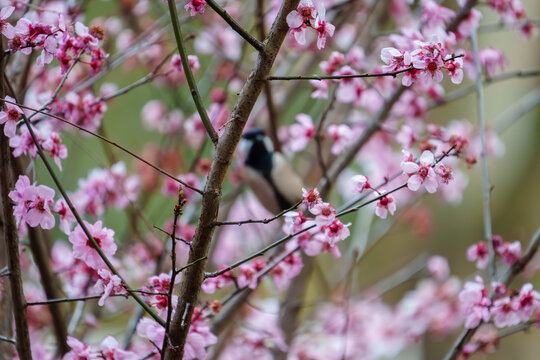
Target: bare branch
487,186
189,74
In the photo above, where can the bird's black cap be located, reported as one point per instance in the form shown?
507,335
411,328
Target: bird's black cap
253,133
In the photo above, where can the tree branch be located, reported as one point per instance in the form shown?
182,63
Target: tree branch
194,275
189,75
259,46
487,186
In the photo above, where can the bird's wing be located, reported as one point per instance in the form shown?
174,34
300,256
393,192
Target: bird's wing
286,180
262,189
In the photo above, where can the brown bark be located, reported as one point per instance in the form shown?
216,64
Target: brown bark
194,276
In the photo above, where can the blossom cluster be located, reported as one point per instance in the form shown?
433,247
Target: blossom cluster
508,251
56,41
308,15
426,62
507,307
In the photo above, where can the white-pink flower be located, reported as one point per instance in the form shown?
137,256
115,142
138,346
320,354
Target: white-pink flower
324,29
421,174
39,200
395,59
33,204
108,284
385,205
324,213
361,183
79,351
342,135
57,150
6,28
529,301
9,117
505,312
111,349
301,133
479,253
83,248
454,69
474,303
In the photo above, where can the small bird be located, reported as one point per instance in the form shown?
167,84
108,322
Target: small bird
271,178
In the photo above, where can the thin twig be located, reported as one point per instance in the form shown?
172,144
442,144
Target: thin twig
85,298
352,76
112,143
77,216
487,186
177,212
259,221
170,235
259,46
189,74
7,339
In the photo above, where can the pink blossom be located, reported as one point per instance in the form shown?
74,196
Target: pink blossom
10,116
6,28
19,206
435,15
33,203
210,285
66,216
248,273
335,60
445,173
151,330
198,339
79,351
107,285
510,252
293,222
304,13
321,89
385,205
311,197
474,303
301,133
505,313
324,213
324,29
83,248
454,69
438,267
57,150
395,59
38,201
195,6
24,144
422,174
361,183
111,349
349,89
336,231
528,300
342,135
193,61
478,253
